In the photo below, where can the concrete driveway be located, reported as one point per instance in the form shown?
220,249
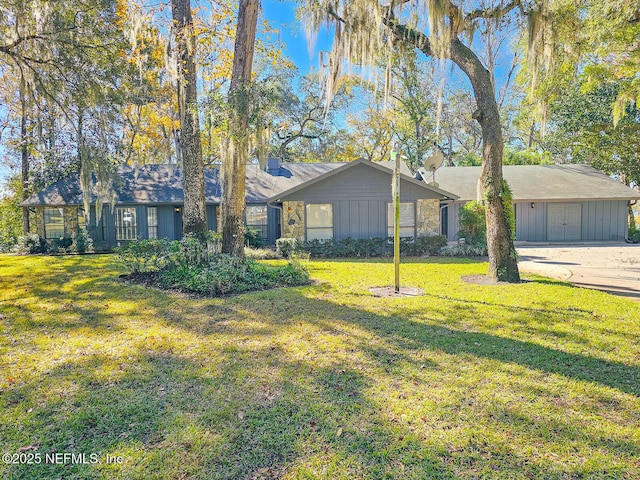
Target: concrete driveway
613,267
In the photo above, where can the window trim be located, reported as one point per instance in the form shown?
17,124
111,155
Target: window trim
151,225
133,228
47,235
263,228
308,228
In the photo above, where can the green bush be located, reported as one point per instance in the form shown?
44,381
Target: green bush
472,222
465,251
633,236
424,245
261,253
224,275
361,247
144,256
287,246
60,245
196,250
196,266
253,238
82,242
32,243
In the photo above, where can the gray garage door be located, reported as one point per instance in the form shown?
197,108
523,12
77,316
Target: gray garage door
564,222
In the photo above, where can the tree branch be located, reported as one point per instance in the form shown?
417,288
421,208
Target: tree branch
495,13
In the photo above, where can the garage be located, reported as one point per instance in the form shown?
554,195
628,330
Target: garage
564,222
552,203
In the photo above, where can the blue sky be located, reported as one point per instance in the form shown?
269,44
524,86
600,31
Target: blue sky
282,16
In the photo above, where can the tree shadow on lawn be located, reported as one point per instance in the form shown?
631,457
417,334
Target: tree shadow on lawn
252,414
284,382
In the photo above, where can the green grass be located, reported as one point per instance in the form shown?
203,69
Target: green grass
536,380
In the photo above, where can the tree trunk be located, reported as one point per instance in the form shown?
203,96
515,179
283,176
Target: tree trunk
194,214
503,263
24,151
234,167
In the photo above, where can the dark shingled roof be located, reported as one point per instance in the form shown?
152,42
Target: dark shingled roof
158,184
539,183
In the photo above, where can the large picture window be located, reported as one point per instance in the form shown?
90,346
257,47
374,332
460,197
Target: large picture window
319,221
407,220
152,222
126,227
53,223
256,218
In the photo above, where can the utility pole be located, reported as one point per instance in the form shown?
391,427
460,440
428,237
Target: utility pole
395,191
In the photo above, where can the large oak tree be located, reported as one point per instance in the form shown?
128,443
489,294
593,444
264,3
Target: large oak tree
365,28
194,215
234,167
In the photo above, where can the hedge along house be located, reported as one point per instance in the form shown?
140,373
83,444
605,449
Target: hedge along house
147,203
553,203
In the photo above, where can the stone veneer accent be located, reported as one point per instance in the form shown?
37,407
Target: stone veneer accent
428,217
70,220
293,219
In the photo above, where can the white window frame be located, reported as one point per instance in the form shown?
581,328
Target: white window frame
407,226
53,230
126,229
152,222
256,217
315,229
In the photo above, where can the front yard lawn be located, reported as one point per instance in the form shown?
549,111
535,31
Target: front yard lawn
536,380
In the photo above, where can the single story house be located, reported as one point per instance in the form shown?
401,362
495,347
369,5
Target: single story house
303,200
553,203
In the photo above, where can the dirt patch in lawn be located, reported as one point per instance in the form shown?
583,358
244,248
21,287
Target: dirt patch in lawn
391,292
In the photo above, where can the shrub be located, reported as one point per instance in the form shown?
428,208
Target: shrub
32,243
430,244
261,253
225,274
81,242
195,250
472,222
287,246
465,251
145,256
196,266
60,245
253,237
633,236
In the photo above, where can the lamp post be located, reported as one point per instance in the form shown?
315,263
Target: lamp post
395,191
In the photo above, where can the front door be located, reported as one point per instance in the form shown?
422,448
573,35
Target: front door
564,222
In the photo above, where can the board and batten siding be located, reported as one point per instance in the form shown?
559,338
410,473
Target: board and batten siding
359,197
601,220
